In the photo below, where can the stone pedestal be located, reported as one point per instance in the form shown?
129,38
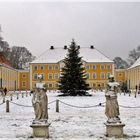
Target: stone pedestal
40,130
114,129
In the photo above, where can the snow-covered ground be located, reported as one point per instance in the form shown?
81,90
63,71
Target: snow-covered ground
70,123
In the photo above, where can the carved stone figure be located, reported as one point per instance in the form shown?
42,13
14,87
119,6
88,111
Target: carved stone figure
40,102
112,107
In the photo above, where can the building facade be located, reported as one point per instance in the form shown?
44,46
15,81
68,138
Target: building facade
11,78
23,76
133,75
98,67
8,77
120,76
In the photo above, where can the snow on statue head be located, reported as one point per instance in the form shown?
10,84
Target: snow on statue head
111,78
40,77
112,84
40,84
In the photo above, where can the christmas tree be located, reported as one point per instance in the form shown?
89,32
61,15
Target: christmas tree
73,78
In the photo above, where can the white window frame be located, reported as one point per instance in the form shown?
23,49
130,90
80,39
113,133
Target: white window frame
102,74
102,67
56,76
87,67
50,67
41,67
36,76
94,67
88,75
35,67
24,85
94,74
50,74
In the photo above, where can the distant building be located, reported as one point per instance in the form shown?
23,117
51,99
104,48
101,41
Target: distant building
11,78
24,78
98,67
133,75
8,75
120,76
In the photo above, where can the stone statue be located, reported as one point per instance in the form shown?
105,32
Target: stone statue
40,102
112,107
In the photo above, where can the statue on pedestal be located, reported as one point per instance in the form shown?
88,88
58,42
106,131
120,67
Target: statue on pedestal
40,102
114,126
112,107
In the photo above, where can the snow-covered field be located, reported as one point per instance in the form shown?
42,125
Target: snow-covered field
70,123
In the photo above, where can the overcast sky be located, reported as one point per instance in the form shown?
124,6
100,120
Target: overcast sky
112,27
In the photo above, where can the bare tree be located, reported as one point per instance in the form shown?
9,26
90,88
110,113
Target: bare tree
134,55
4,47
20,57
120,63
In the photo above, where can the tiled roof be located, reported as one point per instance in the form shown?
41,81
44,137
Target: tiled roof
57,54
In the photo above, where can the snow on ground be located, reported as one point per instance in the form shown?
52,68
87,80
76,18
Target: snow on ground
70,123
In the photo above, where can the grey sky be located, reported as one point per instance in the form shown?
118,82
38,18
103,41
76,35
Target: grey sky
112,27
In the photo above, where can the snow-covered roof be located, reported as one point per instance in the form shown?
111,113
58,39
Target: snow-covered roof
137,63
57,54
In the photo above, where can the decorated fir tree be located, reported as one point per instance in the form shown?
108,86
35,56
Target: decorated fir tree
73,77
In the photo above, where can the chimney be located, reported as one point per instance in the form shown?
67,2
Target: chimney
92,47
65,47
52,47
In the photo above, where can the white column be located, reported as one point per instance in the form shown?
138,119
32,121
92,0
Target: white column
30,79
113,69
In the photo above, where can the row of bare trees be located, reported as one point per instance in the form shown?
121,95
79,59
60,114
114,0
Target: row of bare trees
132,57
19,57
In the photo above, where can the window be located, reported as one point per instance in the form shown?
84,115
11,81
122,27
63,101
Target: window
87,67
23,83
102,67
23,76
94,76
108,67
107,76
41,67
102,84
102,76
94,67
56,85
50,76
50,86
94,85
87,75
56,76
56,67
35,67
35,76
50,67
120,75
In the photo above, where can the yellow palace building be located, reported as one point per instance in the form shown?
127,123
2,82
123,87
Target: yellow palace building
8,75
11,78
98,67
